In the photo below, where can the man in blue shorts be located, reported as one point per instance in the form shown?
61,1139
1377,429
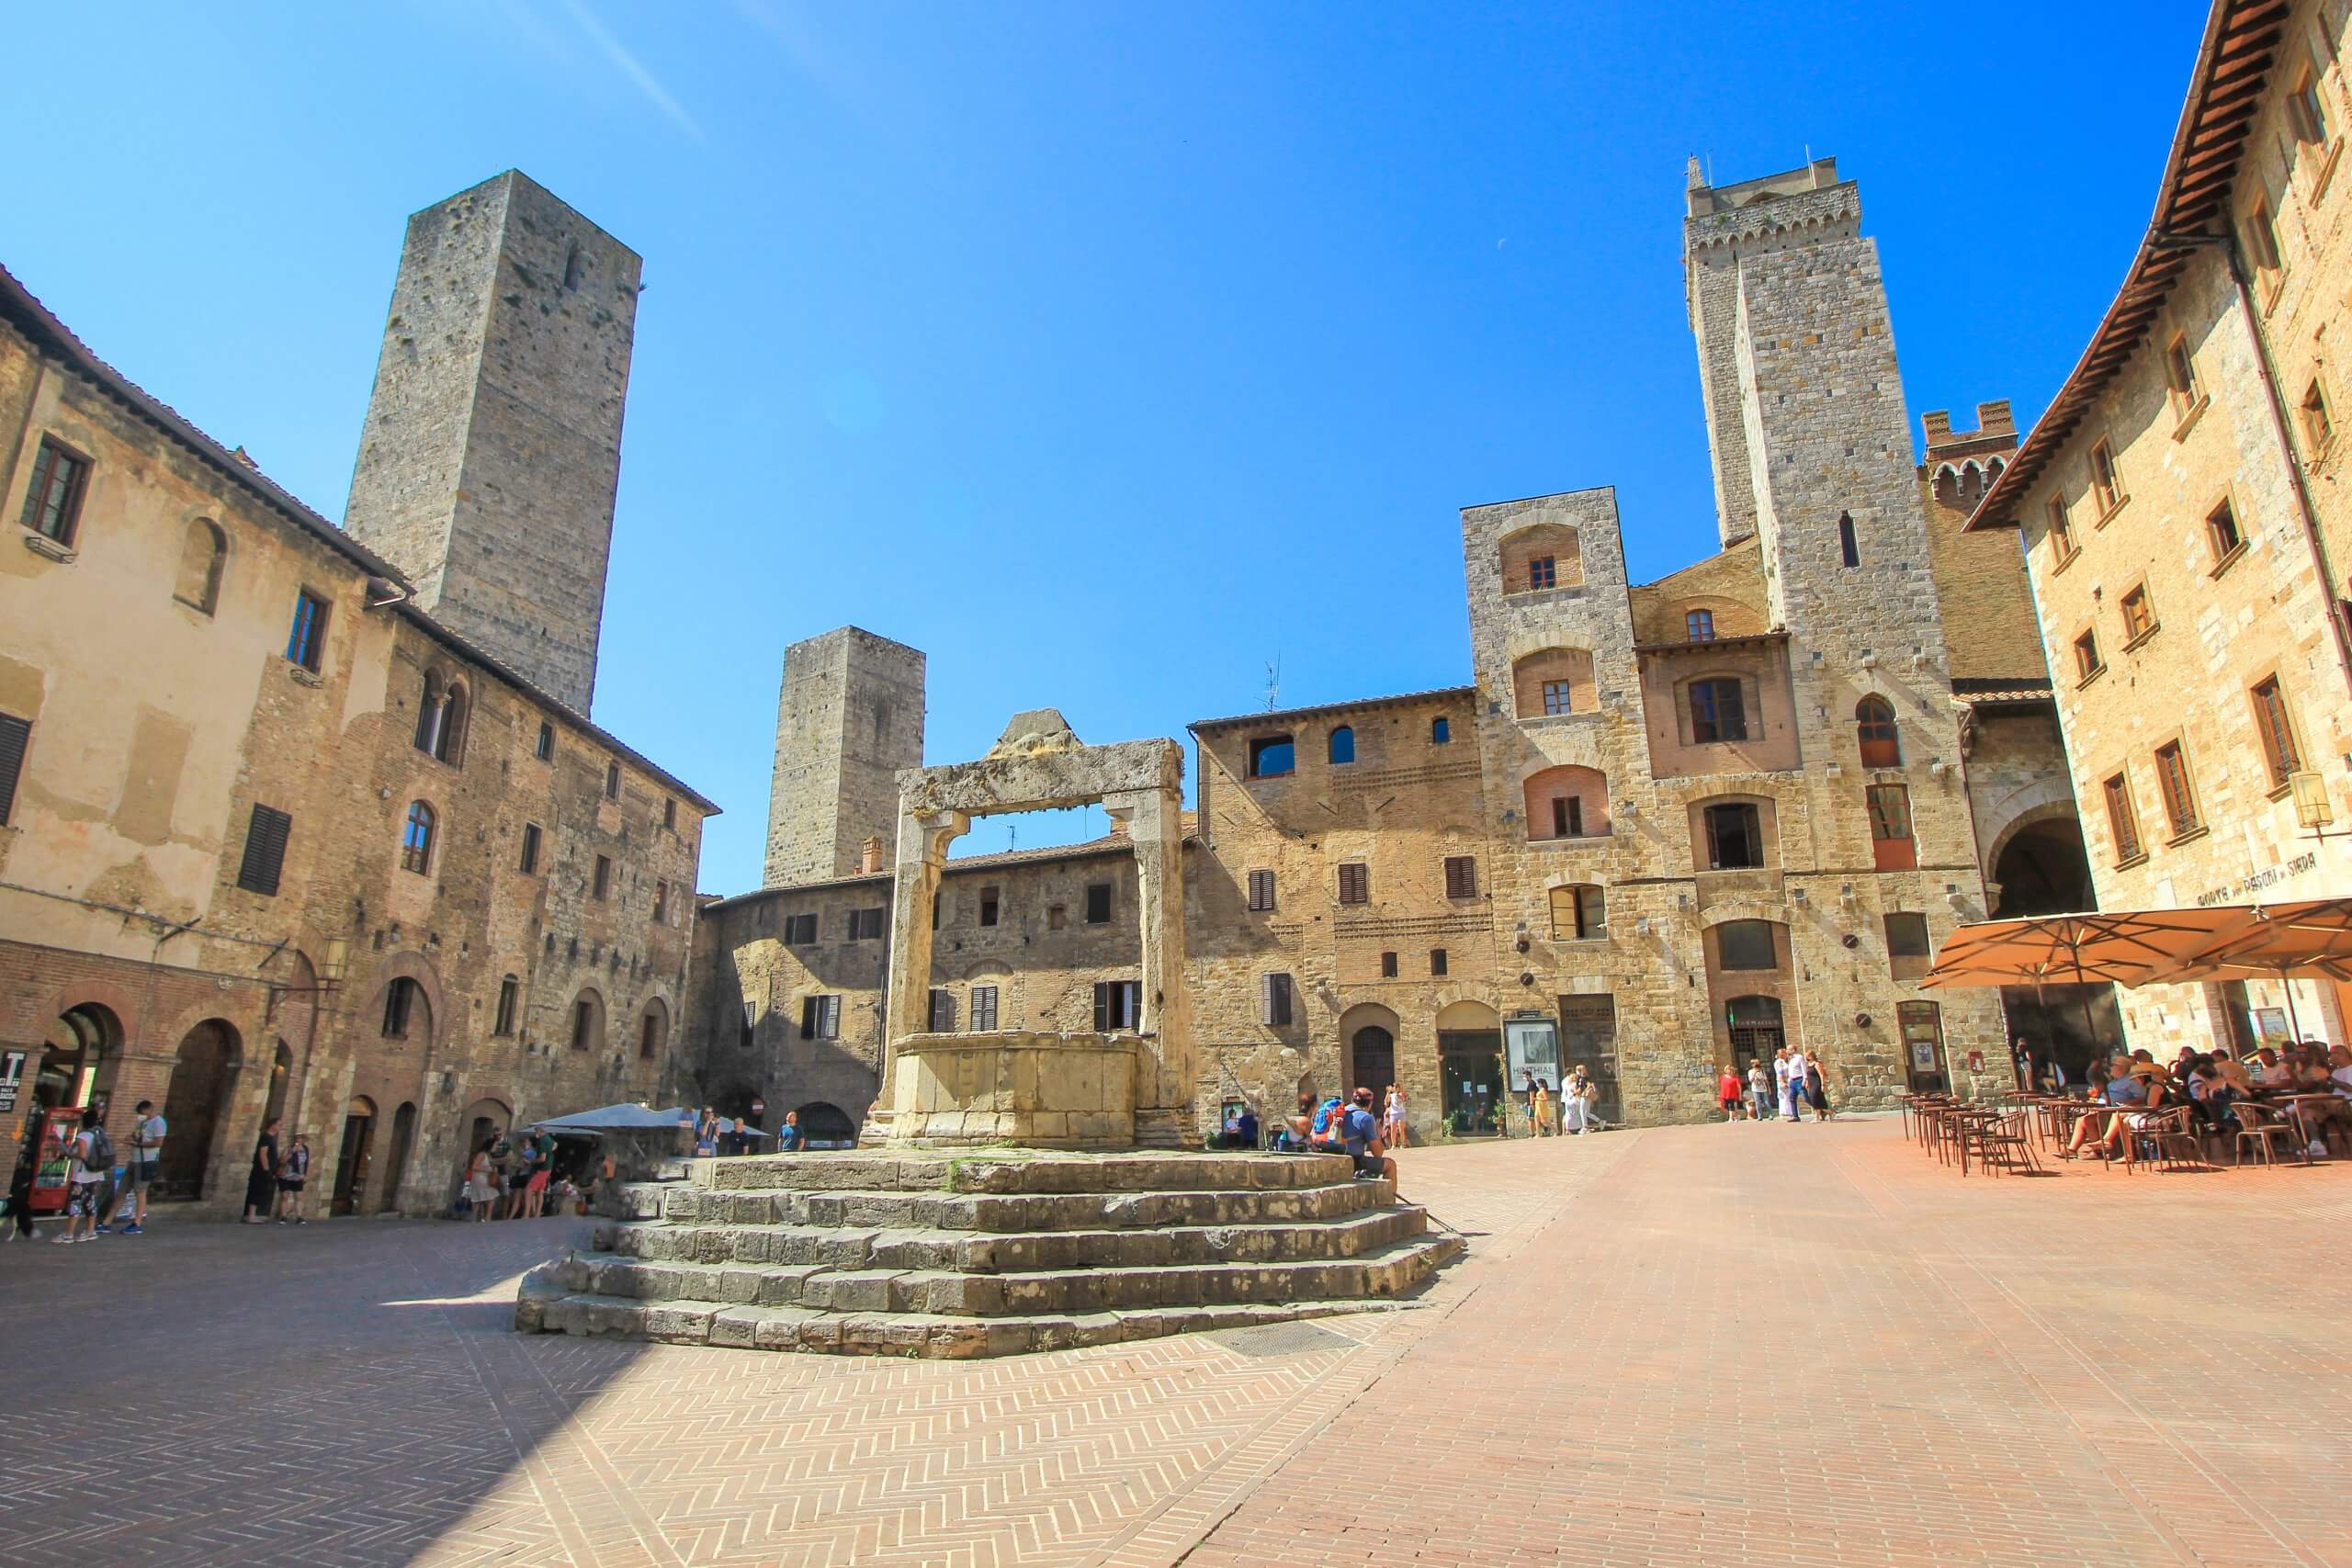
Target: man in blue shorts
1360,1137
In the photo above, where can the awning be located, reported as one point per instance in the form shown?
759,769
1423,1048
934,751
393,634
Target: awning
2130,948
622,1118
2310,940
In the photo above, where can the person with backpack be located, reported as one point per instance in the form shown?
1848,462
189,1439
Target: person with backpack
293,1176
92,1161
260,1183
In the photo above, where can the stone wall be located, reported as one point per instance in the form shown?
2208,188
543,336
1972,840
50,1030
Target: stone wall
491,451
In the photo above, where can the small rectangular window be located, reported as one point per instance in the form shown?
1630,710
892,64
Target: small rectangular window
1718,711
2262,237
396,1006
509,990
584,1024
2306,108
1355,884
545,750
1262,891
1907,936
990,905
821,1018
2086,660
53,500
1098,904
266,837
306,640
2107,484
2278,732
1440,731
1437,961
2062,531
670,812
612,781
1698,625
603,882
1891,842
1568,817
661,903
16,737
530,848
1555,697
1056,917
942,1012
1388,967
1543,571
984,1010
1461,876
2180,374
1274,995
1116,1005
2122,822
1271,757
2139,615
2222,531
866,925
799,931
2180,795
2319,426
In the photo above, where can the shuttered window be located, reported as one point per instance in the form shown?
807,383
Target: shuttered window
984,1009
53,500
15,734
530,847
265,844
942,1012
1116,1004
1262,890
1355,884
2122,822
1273,1002
866,925
2279,749
821,1018
1461,876
2180,796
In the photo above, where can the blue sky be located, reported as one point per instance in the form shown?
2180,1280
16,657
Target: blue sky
1106,353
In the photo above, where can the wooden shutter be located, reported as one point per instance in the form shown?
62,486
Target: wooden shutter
942,1012
808,1018
832,1018
15,735
264,849
1102,1006
1461,876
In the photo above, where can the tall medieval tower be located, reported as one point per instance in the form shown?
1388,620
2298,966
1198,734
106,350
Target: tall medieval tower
492,447
849,718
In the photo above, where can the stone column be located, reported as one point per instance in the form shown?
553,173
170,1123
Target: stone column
923,838
1154,825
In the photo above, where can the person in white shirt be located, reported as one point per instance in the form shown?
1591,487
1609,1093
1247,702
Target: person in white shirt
146,1147
1781,1081
1792,1091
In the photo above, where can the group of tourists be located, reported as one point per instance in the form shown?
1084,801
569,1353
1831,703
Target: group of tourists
105,1177
717,1135
1338,1127
2310,1080
1576,1110
512,1177
1782,1093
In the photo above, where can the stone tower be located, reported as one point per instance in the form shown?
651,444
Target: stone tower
849,718
493,445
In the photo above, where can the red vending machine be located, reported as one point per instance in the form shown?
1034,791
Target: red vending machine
54,1166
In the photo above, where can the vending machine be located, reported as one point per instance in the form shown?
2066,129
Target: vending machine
53,1163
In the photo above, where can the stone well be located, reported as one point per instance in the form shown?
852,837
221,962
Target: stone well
1048,1091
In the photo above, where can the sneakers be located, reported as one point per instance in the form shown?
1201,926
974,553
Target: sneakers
2319,1148
134,1229
62,1240
105,1230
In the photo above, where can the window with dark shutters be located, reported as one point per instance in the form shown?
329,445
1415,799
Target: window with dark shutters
530,848
1355,884
1437,961
821,1018
15,734
509,991
1273,1002
1114,1005
1262,890
942,1012
264,842
984,1009
1461,876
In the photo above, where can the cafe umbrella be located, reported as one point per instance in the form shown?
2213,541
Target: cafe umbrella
2131,947
2308,940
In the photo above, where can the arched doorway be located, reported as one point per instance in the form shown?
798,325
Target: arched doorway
85,1037
196,1106
2042,871
826,1125
1470,1057
1756,1031
481,1121
1372,1061
351,1159
396,1161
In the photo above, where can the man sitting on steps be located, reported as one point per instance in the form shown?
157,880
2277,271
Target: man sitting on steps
1360,1134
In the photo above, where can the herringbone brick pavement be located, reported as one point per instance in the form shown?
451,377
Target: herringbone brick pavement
1750,1344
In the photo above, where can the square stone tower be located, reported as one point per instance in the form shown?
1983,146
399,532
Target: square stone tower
493,445
849,718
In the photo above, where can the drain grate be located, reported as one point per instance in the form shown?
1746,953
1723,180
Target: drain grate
1268,1339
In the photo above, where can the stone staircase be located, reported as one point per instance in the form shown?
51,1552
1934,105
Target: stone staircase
990,1253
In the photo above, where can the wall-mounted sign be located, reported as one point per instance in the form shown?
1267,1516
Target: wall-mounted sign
12,1078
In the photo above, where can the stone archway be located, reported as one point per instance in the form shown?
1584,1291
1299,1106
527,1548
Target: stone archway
85,1038
196,1105
1368,1036
2041,868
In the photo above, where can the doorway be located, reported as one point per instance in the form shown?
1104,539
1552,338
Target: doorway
1473,1064
1756,1033
196,1107
1589,1040
482,1120
1923,1045
396,1168
351,1159
1372,1060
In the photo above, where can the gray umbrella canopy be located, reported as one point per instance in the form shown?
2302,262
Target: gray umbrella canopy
623,1117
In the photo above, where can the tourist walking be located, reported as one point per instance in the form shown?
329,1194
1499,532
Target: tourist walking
1539,1111
1816,1089
1794,1093
482,1186
1759,1089
293,1176
1780,1082
1728,1093
706,1134
1394,1133
261,1182
92,1159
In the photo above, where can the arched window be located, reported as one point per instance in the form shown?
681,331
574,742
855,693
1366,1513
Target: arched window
1343,744
416,839
587,1021
1718,711
201,555
1846,545
1698,625
1579,913
440,719
1874,725
652,1031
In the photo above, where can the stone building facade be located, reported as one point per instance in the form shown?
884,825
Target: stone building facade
1664,828
2188,530
281,842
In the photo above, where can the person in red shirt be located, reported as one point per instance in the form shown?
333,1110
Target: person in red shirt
1727,1090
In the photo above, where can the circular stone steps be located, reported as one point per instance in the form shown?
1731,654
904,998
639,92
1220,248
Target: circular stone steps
993,1253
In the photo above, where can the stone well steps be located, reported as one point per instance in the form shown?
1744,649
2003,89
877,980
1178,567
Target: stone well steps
983,1255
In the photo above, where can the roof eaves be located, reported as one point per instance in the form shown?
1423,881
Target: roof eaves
1276,716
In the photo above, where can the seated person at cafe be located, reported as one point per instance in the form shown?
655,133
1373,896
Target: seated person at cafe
2269,1071
2210,1096
2232,1071
2134,1088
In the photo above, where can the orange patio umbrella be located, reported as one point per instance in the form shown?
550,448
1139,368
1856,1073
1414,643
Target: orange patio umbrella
2308,940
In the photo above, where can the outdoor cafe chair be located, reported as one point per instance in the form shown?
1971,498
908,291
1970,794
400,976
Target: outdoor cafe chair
2172,1140
2001,1142
2265,1128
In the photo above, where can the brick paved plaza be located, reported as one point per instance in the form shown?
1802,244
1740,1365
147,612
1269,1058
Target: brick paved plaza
1694,1345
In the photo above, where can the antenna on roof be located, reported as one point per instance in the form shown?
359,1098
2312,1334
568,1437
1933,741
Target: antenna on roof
1274,682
